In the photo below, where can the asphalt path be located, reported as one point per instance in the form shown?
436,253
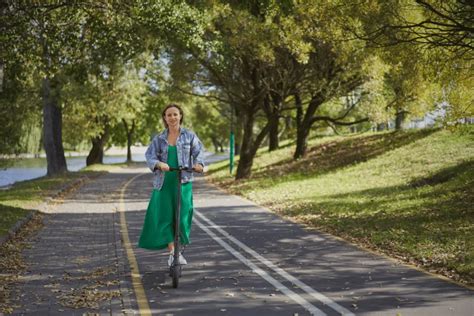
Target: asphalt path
245,260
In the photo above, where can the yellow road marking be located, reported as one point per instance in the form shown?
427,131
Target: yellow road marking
143,307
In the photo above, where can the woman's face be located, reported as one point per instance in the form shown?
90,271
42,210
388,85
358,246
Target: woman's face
172,117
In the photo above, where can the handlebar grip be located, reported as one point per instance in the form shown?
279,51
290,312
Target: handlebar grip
184,169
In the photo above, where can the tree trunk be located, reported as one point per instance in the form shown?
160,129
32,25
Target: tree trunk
129,148
96,155
52,131
399,119
246,160
302,134
249,147
304,121
215,143
130,142
300,131
272,110
244,169
238,141
273,132
238,134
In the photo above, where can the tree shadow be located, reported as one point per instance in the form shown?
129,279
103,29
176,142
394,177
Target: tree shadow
443,175
434,210
327,157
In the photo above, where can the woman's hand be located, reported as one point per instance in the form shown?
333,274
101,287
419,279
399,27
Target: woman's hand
198,168
163,166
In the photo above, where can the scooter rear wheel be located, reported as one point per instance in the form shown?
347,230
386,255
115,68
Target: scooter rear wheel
175,271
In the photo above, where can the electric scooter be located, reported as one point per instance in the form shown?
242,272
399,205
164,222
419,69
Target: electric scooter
176,268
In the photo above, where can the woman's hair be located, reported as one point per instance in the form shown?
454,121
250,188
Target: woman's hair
172,105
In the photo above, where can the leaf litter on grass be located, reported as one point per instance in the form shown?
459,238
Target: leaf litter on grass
12,264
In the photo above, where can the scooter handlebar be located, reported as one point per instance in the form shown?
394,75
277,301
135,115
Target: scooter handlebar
184,169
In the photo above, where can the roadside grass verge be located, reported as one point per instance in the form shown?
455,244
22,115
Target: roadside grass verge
406,194
20,199
17,201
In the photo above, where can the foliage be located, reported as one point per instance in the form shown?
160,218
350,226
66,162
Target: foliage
445,25
428,45
18,91
456,93
114,66
212,124
409,82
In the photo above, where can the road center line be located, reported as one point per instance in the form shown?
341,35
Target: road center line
297,298
144,308
315,294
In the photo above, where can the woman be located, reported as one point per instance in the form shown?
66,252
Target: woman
174,147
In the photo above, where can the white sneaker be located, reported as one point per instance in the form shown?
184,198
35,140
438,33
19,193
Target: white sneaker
181,259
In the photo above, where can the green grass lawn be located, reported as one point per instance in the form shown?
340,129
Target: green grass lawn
18,201
22,197
407,194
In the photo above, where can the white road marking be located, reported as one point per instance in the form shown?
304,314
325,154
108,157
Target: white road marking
315,294
297,298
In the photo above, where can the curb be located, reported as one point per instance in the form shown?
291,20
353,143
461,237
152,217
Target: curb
18,225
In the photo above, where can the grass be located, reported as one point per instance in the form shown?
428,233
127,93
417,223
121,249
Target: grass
17,201
406,194
9,216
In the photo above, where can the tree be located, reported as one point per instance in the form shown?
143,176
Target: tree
140,102
212,123
18,95
268,51
440,24
70,39
331,67
435,40
409,84
54,38
236,68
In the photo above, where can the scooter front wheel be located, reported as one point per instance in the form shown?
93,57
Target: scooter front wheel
175,271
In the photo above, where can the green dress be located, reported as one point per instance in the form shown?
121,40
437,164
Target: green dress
158,228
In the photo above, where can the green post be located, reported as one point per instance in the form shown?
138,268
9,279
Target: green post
231,152
231,141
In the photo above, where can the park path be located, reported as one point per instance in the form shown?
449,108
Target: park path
243,260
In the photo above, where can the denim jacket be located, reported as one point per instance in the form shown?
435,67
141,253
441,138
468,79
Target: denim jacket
189,148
